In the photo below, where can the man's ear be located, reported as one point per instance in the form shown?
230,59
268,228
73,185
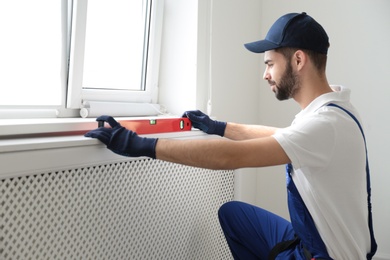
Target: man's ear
299,59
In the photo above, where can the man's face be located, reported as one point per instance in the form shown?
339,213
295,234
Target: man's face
280,75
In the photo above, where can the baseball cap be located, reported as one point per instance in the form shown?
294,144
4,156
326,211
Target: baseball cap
296,30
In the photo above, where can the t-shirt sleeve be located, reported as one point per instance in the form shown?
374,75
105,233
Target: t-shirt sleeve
308,143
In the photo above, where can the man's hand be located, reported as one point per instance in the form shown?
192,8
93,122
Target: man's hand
205,123
122,141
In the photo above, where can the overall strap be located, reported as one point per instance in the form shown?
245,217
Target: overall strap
303,223
373,242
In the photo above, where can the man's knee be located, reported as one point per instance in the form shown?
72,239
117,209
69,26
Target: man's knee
228,210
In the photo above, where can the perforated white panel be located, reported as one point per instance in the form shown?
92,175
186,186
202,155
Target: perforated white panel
144,209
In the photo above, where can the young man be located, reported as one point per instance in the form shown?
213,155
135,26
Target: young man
324,149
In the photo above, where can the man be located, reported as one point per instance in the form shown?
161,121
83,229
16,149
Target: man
324,149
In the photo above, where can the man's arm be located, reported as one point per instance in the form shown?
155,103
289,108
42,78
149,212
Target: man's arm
218,153
222,153
231,131
235,131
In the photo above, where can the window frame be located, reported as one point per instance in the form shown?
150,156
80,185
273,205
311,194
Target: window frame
72,98
77,96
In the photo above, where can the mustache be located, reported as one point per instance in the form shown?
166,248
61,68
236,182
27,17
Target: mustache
271,82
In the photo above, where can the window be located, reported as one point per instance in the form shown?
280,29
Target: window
62,54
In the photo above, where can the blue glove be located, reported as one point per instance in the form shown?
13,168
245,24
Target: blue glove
122,141
203,122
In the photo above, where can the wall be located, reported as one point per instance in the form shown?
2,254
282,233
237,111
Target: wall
359,58
177,77
234,74
203,58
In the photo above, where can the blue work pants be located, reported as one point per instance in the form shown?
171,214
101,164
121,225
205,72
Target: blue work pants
251,232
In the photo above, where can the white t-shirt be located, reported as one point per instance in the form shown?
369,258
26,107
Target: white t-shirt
327,152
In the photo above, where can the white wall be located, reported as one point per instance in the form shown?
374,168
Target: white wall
177,77
235,81
185,65
359,58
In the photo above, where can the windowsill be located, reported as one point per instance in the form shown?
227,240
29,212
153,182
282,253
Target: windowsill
23,155
14,128
41,142
43,127
48,133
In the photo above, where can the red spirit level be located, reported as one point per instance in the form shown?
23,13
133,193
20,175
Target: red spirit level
160,125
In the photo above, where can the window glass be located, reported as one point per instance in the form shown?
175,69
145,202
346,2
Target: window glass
32,53
114,44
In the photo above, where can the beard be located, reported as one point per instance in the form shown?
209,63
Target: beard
288,85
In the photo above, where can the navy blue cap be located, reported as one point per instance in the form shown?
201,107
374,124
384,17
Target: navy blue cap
293,30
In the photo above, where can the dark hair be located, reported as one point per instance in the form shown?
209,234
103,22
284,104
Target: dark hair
318,59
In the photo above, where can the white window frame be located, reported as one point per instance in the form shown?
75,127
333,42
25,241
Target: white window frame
42,121
78,97
73,97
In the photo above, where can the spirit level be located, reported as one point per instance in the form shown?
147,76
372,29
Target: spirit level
160,125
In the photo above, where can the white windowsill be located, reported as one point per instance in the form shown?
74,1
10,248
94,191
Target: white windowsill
37,134
27,155
54,126
44,126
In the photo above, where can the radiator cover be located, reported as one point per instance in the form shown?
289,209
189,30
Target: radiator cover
136,209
